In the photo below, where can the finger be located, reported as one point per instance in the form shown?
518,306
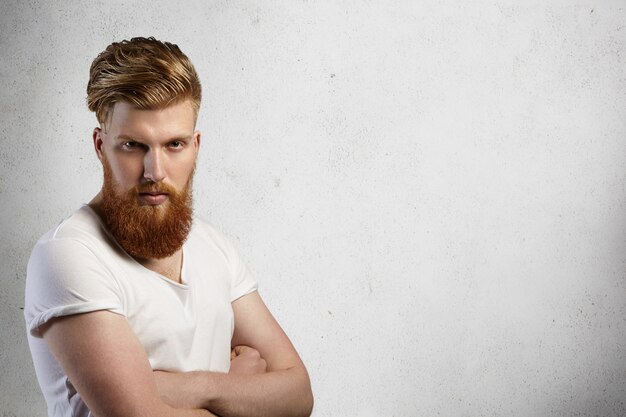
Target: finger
239,349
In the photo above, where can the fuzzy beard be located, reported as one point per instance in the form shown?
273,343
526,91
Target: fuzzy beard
145,231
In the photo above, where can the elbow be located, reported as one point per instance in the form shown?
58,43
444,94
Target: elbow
303,407
299,393
307,404
307,400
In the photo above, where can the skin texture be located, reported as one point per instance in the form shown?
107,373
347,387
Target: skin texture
99,351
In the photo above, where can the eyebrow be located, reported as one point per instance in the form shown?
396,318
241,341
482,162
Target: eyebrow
136,139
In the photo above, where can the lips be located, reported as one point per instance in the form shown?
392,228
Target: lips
153,198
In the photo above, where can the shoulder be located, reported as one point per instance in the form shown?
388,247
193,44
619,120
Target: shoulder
78,245
69,272
83,226
209,245
203,232
206,239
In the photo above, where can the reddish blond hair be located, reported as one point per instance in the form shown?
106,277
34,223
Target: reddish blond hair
147,73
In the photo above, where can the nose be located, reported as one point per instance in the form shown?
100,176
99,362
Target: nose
153,166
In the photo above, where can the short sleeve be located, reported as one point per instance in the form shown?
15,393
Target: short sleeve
242,282
64,277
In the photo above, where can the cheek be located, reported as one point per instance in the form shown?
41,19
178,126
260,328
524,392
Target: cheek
186,171
127,174
183,177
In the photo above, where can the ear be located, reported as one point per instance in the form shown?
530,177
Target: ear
97,142
196,140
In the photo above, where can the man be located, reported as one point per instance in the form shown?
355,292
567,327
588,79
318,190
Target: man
133,306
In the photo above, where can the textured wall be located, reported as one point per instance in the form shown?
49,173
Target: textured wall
432,194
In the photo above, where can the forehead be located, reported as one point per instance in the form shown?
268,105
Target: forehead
174,120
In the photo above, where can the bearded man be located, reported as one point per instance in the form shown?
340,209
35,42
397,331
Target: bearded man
134,306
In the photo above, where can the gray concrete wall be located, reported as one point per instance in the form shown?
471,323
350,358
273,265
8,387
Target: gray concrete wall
432,194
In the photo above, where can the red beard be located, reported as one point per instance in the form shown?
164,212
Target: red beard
145,231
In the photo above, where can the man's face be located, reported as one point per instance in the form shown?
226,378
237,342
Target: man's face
149,146
148,158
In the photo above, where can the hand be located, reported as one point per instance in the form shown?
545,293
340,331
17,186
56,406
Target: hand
245,360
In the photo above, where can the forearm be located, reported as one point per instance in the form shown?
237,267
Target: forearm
284,393
186,390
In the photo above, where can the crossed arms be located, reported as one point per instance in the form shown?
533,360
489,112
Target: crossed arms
109,368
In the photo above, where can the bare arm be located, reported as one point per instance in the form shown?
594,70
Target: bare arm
283,391
108,366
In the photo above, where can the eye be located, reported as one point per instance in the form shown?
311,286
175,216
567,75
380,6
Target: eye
130,145
176,144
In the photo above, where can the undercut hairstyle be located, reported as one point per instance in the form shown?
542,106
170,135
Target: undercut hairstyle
144,72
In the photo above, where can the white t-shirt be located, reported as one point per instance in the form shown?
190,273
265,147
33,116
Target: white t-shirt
78,267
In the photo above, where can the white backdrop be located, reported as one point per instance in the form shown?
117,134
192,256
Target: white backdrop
431,194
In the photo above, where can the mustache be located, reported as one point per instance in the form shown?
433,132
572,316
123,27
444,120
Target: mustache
154,187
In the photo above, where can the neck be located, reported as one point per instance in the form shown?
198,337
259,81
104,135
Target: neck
96,203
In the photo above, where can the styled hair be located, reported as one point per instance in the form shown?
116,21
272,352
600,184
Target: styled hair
144,72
